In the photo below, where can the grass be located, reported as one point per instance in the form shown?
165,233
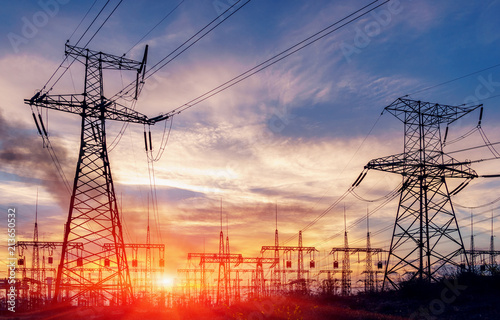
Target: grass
464,297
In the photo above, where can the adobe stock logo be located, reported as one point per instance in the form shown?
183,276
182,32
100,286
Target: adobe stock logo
31,26
364,33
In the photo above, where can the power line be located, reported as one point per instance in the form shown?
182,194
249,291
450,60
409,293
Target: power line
90,25
472,148
280,56
478,206
151,71
455,79
81,21
95,33
66,57
156,25
361,219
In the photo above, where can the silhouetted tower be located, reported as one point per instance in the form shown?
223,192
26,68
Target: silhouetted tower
237,296
369,276
345,283
93,216
35,272
228,265
222,283
472,246
426,234
277,269
300,262
148,281
492,243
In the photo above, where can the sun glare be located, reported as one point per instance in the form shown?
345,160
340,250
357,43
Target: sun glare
167,282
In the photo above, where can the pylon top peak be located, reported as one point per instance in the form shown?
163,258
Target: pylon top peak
427,113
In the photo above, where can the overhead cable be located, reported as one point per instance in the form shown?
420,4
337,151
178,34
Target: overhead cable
280,56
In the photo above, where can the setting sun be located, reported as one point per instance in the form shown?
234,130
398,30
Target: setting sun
167,282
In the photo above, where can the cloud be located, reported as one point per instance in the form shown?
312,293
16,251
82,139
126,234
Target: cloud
291,135
21,154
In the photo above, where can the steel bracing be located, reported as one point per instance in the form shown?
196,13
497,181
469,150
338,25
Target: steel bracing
301,282
426,235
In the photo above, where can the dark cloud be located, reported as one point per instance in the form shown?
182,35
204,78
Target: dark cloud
22,155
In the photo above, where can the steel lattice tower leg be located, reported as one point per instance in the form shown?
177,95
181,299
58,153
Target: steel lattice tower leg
426,236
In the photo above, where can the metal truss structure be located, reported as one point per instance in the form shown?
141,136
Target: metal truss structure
301,281
426,235
93,216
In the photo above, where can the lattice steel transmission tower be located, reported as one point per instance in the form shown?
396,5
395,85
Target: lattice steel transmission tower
369,275
426,235
346,265
93,214
35,273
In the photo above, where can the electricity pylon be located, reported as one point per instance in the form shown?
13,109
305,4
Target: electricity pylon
93,216
426,235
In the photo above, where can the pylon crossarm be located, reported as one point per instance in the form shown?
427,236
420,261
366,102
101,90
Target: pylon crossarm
287,248
108,61
400,165
408,111
395,164
455,169
109,246
75,103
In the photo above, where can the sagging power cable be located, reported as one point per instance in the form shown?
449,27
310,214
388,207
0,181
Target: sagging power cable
184,46
280,56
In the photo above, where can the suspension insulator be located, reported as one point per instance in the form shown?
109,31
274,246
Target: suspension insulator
364,175
41,123
36,122
480,116
460,188
145,141
150,142
356,181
